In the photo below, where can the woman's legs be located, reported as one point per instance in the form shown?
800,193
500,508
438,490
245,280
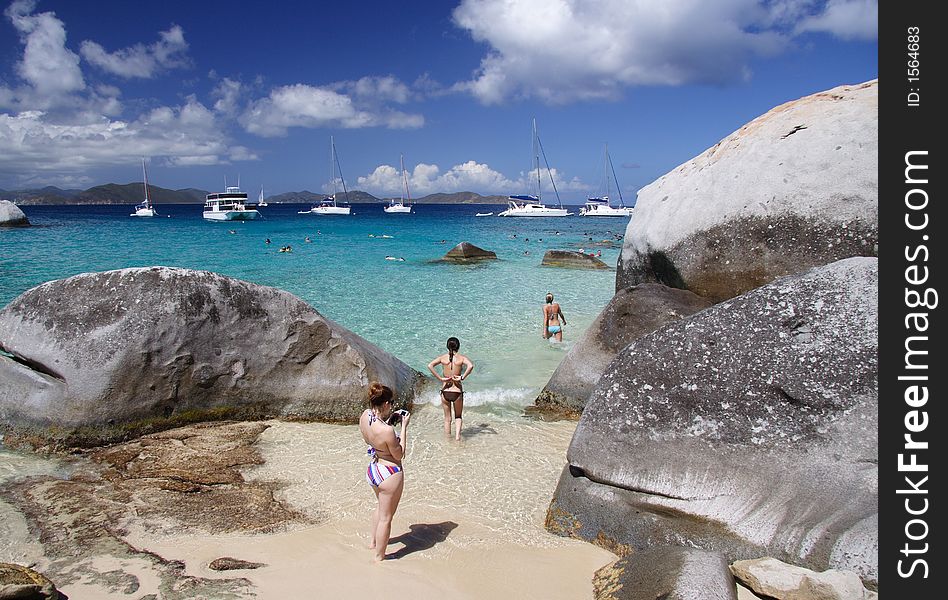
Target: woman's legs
375,520
390,492
458,411
447,415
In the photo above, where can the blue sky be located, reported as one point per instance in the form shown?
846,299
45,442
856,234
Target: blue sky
207,90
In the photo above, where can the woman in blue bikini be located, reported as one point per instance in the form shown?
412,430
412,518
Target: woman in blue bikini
385,473
552,317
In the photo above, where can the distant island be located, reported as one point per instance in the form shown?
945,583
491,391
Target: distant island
131,193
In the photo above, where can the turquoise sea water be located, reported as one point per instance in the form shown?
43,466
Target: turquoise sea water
408,308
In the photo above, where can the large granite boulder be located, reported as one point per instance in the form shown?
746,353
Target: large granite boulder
11,215
102,356
632,313
571,259
750,428
468,252
793,189
666,572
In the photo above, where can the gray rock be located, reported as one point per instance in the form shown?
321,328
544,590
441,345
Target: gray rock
466,251
102,356
667,572
11,215
572,259
750,428
776,579
23,583
795,188
632,313
226,563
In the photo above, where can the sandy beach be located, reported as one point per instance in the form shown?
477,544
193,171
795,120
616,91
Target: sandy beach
470,523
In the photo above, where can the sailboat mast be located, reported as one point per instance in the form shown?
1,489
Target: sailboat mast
405,179
536,158
618,189
342,177
145,179
332,167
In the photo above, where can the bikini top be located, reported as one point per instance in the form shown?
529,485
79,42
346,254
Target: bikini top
371,451
553,314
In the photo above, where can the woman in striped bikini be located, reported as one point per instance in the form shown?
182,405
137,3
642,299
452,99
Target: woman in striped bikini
386,450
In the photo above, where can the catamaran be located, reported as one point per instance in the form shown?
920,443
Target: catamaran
530,205
229,205
599,206
145,209
260,199
328,206
401,206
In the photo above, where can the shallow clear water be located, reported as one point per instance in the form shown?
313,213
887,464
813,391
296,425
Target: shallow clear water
408,308
502,475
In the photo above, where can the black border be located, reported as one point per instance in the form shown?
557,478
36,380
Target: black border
902,129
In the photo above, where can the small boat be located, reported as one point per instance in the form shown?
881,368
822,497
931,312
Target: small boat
145,209
529,205
260,198
487,214
229,205
599,206
401,206
328,206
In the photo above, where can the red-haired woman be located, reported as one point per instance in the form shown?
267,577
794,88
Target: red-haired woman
385,473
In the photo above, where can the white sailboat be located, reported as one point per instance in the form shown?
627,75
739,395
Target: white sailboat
260,198
328,206
599,206
530,205
145,209
401,206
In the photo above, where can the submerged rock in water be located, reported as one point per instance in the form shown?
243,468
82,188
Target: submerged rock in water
572,259
11,215
631,314
750,427
103,356
793,189
465,251
188,480
226,563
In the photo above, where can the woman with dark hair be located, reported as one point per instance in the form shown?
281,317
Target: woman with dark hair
452,393
386,451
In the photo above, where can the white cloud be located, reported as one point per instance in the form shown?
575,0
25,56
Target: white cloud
227,93
377,89
47,65
426,179
38,148
140,60
309,106
568,50
848,19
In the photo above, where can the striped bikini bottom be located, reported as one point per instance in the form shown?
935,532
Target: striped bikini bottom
377,473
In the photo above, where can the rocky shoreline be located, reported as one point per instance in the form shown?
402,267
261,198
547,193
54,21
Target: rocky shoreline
727,397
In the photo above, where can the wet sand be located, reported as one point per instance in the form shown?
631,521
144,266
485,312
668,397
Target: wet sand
470,522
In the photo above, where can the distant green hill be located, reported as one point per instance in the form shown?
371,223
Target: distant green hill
460,198
133,193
